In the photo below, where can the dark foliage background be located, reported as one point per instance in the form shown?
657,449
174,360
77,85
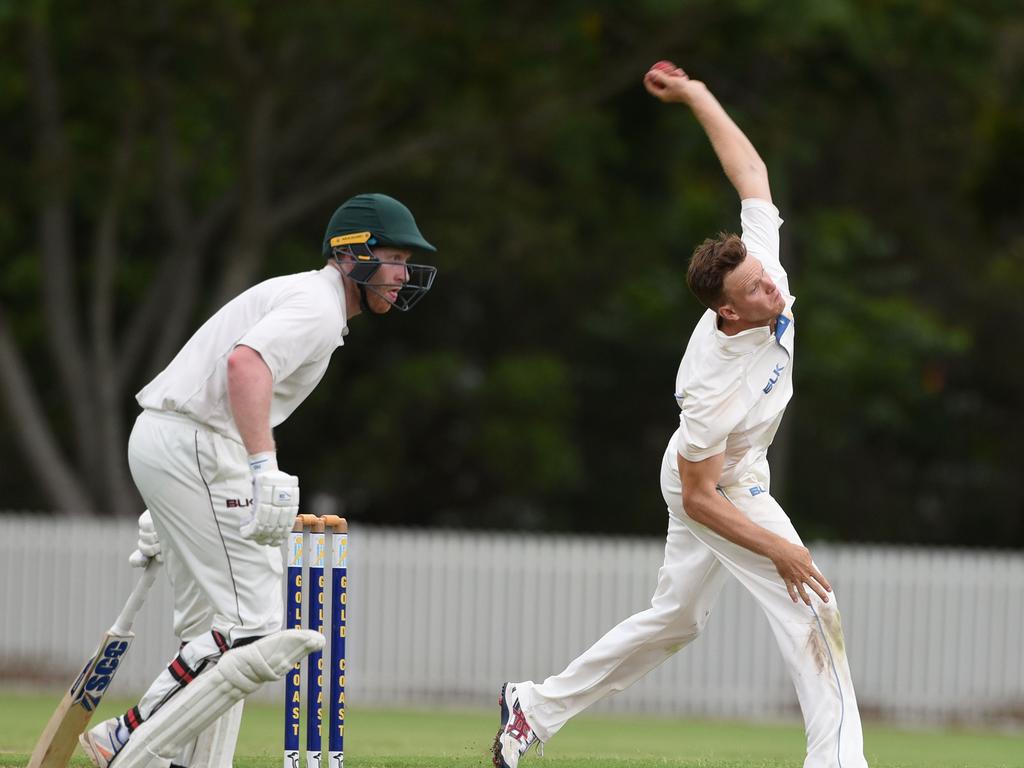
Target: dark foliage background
162,156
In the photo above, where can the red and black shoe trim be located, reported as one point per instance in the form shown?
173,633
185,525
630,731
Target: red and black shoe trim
132,718
518,728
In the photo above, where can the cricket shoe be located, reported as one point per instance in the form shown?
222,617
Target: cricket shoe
103,742
515,736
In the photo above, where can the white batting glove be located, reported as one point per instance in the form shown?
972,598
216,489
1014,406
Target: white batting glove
148,545
275,502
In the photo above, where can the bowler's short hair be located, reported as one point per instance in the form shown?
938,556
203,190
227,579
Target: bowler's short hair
712,260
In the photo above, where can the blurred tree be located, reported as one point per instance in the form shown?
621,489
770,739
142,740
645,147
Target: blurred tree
172,148
163,157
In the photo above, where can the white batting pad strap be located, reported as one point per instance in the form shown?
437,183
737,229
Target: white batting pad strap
239,672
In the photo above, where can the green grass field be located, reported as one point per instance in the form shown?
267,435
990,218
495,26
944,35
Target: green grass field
414,739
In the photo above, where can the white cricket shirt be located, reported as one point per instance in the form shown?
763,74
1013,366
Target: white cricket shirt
733,390
295,322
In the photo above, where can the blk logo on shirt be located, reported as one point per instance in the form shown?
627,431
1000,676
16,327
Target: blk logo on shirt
776,372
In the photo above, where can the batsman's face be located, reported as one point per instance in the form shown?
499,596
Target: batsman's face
751,295
387,281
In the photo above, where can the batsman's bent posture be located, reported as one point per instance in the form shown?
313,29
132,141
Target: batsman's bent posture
202,454
732,387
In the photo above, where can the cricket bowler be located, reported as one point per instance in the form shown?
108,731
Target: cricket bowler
732,387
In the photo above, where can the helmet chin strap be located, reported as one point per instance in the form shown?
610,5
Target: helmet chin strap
364,303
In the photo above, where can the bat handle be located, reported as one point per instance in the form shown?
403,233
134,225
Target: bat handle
124,621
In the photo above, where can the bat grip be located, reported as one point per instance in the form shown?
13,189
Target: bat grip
124,621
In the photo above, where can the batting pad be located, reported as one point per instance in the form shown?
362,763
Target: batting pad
215,746
239,672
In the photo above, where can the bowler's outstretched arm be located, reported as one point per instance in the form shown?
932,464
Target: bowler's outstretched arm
742,164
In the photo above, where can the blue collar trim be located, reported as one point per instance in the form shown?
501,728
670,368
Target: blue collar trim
781,324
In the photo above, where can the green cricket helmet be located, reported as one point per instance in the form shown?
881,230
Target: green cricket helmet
373,219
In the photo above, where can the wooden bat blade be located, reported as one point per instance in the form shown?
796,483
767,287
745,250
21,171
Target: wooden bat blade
59,738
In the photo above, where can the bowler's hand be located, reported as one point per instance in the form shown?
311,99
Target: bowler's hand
148,545
667,82
797,570
275,502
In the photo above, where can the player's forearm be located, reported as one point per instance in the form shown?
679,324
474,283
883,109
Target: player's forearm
742,164
250,390
711,509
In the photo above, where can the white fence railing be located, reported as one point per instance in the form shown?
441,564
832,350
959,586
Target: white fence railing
439,617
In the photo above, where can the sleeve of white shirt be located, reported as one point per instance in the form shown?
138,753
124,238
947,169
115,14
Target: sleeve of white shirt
298,329
760,221
705,422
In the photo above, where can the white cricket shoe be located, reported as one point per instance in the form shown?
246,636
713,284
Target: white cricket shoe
515,736
103,742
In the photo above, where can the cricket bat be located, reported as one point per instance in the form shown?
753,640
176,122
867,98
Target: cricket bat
59,738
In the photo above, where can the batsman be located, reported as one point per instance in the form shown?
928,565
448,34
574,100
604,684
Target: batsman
203,456
732,387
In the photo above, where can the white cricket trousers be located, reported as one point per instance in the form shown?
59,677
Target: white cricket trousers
696,566
197,486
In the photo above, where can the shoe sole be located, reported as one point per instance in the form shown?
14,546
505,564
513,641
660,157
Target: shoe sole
496,758
90,751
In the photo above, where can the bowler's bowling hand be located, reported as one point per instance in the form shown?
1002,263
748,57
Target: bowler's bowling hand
667,82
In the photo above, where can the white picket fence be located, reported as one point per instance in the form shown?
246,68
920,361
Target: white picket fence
442,618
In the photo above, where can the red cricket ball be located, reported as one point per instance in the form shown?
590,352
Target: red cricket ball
664,66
